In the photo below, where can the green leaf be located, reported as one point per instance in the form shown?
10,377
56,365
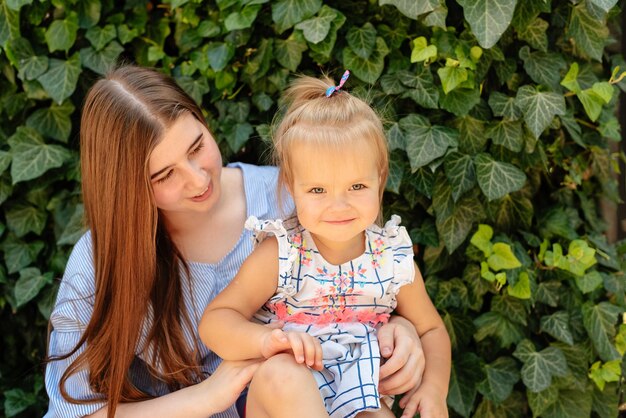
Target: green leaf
472,134
242,19
454,227
411,8
89,12
504,106
526,11
465,374
580,257
570,403
599,321
605,373
460,329
22,219
100,37
426,143
30,282
33,67
482,239
125,34
557,325
501,376
539,108
460,172
368,69
507,133
502,257
605,5
540,401
61,78
321,51
396,171
451,77
488,18
495,178
543,67
61,34
316,29
423,92
74,229
9,23
53,121
362,40
437,18
17,4
540,367
5,160
497,325
238,135
460,101
289,52
588,34
287,13
18,254
589,282
31,156
195,87
422,51
535,34
219,54
16,401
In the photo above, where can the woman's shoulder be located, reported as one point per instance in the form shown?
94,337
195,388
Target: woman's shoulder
265,173
79,276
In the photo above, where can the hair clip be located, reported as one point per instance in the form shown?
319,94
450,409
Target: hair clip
331,90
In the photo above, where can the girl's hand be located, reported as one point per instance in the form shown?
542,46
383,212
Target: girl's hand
223,387
305,348
428,402
401,346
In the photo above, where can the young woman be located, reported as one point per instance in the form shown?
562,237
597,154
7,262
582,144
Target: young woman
165,236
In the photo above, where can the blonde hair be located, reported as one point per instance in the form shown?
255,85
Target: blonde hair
336,122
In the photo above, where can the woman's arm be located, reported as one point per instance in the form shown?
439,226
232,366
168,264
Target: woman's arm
209,397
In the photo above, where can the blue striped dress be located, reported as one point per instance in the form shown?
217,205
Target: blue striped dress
74,304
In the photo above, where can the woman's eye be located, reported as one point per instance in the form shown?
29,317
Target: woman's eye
317,190
165,177
358,186
198,148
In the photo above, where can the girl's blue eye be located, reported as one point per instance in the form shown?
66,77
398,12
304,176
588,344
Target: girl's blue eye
317,190
358,186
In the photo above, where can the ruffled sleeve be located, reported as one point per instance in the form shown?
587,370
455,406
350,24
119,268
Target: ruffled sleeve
286,252
402,249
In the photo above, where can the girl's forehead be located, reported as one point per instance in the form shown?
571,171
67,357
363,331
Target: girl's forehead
313,161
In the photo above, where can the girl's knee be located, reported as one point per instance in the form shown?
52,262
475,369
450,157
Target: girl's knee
282,376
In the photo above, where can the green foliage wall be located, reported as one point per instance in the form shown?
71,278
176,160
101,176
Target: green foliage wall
500,118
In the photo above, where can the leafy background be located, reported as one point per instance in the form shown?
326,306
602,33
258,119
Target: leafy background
500,116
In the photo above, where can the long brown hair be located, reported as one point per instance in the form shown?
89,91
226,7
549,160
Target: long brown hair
137,266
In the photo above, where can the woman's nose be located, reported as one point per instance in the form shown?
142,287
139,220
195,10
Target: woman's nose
197,176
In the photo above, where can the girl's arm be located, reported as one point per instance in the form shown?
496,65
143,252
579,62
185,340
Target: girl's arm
207,398
226,328
415,305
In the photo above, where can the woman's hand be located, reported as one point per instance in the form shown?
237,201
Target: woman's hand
427,401
305,348
223,387
401,346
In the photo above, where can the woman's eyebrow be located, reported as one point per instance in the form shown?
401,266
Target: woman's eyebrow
192,146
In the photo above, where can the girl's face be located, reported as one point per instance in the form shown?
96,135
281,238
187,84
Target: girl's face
185,168
336,194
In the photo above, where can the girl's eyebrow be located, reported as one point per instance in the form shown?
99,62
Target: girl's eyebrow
193,145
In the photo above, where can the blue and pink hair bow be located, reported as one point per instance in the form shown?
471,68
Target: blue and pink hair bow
333,89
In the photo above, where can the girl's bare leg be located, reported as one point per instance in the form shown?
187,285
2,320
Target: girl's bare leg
383,412
282,388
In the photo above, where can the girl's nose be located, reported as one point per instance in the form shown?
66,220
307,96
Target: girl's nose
340,202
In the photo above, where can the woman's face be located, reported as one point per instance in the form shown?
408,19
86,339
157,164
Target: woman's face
185,168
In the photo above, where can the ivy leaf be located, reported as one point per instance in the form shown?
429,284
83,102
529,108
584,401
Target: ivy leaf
589,282
219,54
452,77
557,325
454,228
238,135
395,138
422,51
495,178
605,5
423,92
540,367
465,374
196,88
471,134
53,121
412,8
570,403
316,29
30,282
497,325
527,11
289,51
18,254
504,106
61,34
242,19
31,156
16,401
89,12
599,321
540,401
460,101
543,67
502,257
368,69
396,171
425,143
589,34
33,67
22,219
9,23
362,40
482,239
61,78
101,61
391,84
5,160
535,34
507,133
322,50
287,13
437,18
539,108
510,307
488,18
460,172
460,329
100,37
74,229
501,376
17,4
521,289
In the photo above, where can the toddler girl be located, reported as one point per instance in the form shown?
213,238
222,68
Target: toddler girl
330,274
